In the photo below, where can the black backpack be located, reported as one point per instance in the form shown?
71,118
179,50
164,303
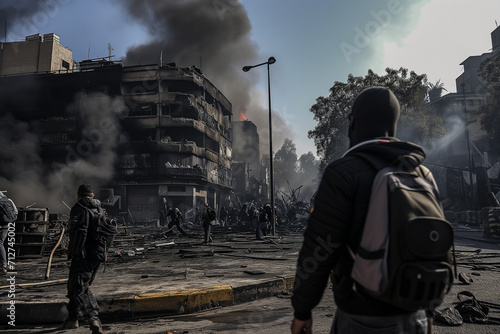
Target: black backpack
404,257
211,214
91,235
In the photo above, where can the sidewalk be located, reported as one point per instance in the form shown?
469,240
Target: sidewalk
173,275
168,276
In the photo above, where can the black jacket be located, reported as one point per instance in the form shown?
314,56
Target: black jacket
95,206
91,203
337,220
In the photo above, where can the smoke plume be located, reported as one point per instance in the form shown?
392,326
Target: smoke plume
29,182
214,36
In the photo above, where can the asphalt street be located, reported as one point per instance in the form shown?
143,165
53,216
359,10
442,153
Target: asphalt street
179,282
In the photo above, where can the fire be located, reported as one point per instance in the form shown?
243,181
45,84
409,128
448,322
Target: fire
242,116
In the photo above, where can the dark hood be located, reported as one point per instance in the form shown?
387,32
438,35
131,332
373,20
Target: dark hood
390,151
375,114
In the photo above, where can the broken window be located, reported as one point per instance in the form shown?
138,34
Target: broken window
65,64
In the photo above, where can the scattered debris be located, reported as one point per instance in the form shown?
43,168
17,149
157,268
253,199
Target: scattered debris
465,278
254,272
449,316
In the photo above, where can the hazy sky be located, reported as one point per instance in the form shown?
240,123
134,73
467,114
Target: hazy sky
315,42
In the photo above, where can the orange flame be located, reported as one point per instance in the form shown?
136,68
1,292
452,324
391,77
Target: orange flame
242,116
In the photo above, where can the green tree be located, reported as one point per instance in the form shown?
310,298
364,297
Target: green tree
489,70
308,164
331,112
434,91
285,165
308,174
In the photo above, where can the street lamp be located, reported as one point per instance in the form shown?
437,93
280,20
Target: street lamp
270,61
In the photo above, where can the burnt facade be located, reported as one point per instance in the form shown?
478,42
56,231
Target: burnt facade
146,132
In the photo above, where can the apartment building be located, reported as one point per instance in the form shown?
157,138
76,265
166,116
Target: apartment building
153,132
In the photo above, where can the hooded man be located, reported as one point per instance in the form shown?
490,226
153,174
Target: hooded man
337,221
82,303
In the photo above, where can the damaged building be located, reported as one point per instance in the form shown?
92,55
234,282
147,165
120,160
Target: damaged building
250,172
167,129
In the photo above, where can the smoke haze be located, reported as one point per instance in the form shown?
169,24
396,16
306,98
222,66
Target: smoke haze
214,36
92,161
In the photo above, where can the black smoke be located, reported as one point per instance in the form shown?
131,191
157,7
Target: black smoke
21,18
214,36
28,180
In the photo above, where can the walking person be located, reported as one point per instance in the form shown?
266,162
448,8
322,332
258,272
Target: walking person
208,215
335,226
175,220
83,268
264,220
223,216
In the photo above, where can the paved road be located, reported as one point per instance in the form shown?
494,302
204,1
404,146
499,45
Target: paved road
236,259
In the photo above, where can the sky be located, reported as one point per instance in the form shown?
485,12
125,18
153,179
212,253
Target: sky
315,43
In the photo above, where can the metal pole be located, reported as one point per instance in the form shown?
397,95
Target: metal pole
469,156
271,171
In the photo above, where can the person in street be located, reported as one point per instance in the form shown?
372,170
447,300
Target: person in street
264,220
175,220
82,305
223,216
163,214
336,223
8,214
207,216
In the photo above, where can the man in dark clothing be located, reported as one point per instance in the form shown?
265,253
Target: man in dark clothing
207,217
83,269
223,216
175,220
337,220
264,220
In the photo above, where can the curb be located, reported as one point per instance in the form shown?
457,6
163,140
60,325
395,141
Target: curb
150,304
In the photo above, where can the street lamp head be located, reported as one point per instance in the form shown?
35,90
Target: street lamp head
246,68
271,60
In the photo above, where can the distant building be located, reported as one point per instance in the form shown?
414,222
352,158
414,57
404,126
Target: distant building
467,145
35,55
246,145
470,82
167,129
249,170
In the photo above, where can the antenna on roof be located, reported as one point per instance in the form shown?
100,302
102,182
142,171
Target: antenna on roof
110,48
5,30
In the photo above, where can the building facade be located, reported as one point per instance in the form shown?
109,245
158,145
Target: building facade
466,148
37,54
142,134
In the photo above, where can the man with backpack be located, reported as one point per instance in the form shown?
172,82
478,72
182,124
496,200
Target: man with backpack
8,214
335,227
91,234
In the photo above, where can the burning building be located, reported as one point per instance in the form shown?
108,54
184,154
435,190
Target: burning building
138,133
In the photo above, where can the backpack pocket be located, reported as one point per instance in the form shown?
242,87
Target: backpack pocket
422,285
428,238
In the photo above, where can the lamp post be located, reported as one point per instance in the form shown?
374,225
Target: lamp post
270,61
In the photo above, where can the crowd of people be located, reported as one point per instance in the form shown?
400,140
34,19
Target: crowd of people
248,217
